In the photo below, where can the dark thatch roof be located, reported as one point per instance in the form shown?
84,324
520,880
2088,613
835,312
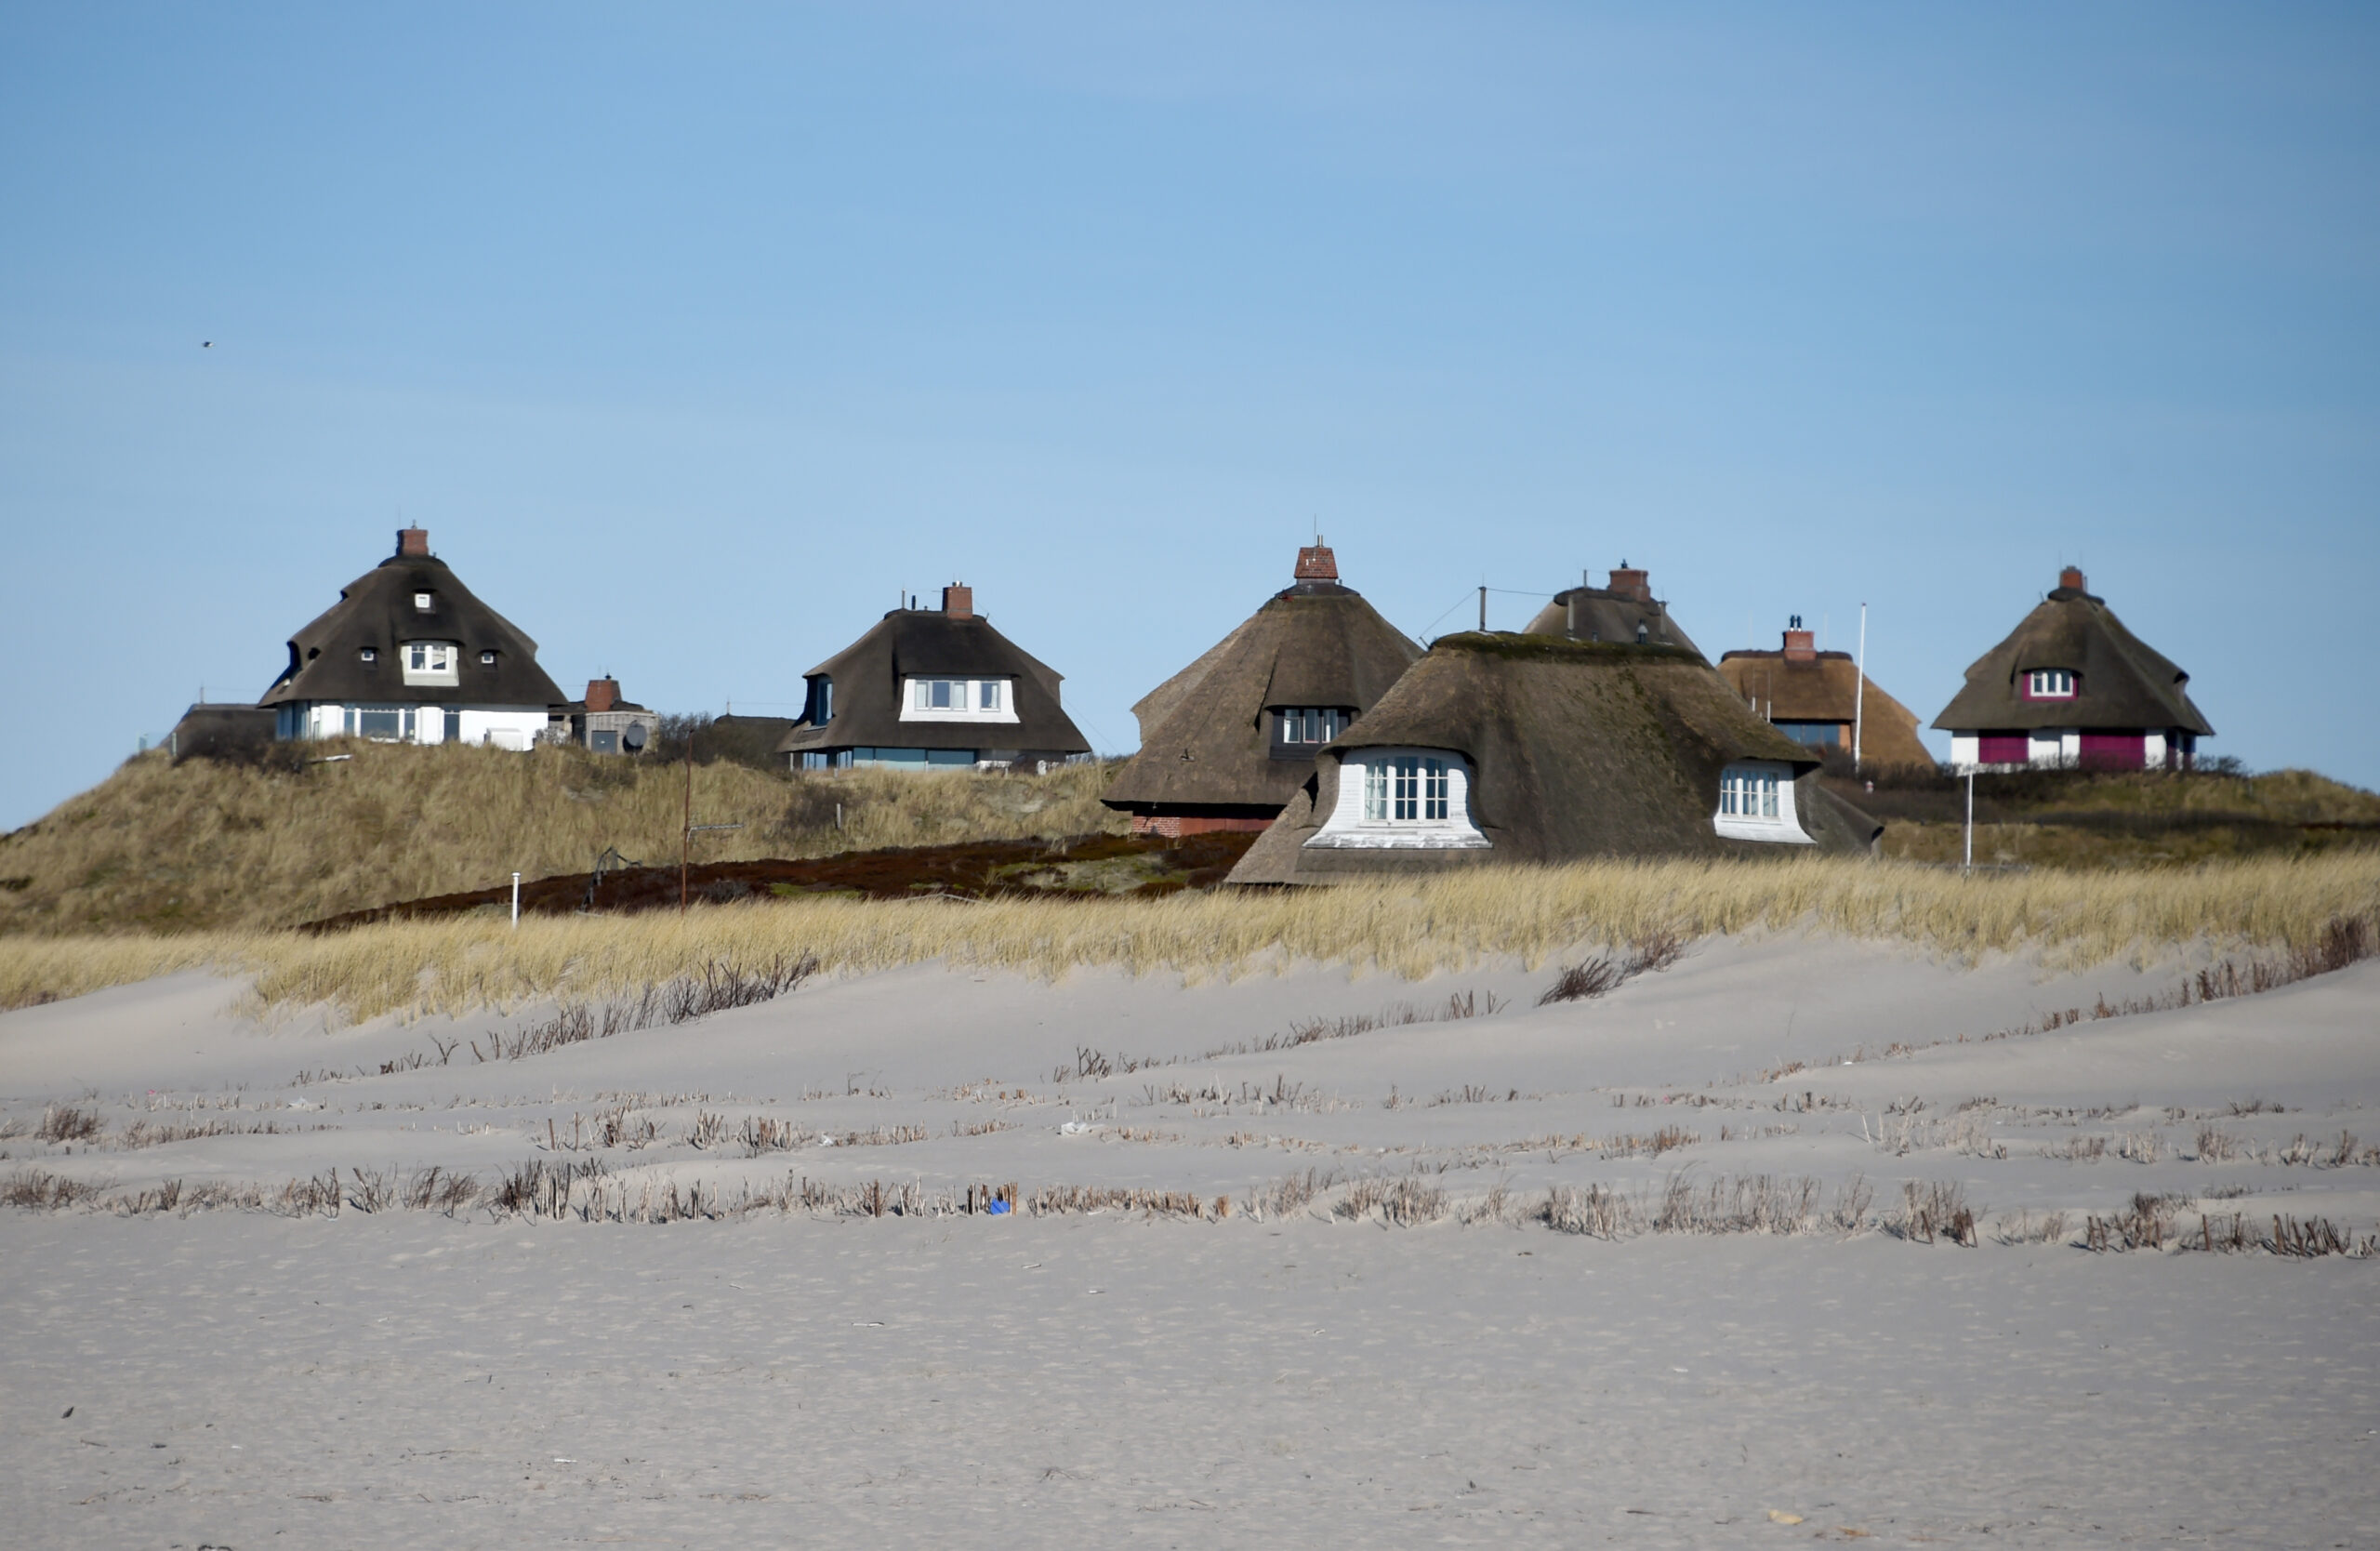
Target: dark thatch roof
2121,683
376,612
1577,750
1612,613
1825,687
1206,739
909,643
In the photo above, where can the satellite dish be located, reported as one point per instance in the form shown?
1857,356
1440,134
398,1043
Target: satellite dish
633,737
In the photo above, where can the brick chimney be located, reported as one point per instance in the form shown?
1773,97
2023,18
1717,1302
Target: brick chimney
959,600
1633,584
1316,562
602,693
2072,579
413,543
1800,647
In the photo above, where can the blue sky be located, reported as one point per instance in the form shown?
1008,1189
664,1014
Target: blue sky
695,337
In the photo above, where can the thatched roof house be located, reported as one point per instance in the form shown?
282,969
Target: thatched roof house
410,655
1228,740
1814,697
2072,687
1625,611
1538,748
932,687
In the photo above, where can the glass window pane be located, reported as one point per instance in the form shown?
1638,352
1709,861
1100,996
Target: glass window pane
921,702
1376,792
1434,794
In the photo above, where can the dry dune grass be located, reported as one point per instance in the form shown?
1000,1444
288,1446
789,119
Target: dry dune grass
1405,928
206,846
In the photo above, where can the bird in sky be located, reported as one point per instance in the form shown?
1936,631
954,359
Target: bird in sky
206,344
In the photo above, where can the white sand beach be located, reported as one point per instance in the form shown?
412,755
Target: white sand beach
1730,1355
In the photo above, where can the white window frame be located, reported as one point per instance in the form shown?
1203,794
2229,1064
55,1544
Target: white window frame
424,602
2049,683
1756,803
1292,726
966,699
431,662
1399,798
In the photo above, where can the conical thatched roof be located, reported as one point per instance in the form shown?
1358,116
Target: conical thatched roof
2121,685
1206,742
1624,611
1576,749
1824,686
411,596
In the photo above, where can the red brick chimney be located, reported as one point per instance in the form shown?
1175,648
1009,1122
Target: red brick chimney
1316,562
602,693
959,600
1632,583
2072,579
413,543
1800,647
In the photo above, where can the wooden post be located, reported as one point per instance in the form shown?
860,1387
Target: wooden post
686,836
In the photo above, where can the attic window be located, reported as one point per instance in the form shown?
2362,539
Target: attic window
428,662
1748,794
1297,730
1409,788
369,654
487,659
422,603
957,700
2049,683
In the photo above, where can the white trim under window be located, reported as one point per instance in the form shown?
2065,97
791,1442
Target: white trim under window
1399,798
431,662
941,699
2049,683
1756,803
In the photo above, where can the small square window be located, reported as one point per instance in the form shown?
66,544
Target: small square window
369,654
422,603
487,659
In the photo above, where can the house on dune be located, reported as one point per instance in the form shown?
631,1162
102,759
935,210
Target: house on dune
2072,688
1227,742
933,688
1815,697
410,655
1545,747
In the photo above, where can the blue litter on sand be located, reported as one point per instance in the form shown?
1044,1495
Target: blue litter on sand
996,1208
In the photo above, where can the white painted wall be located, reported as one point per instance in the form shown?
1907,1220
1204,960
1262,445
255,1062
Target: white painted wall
505,726
971,712
1347,830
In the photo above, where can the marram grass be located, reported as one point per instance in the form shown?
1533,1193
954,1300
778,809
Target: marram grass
1408,928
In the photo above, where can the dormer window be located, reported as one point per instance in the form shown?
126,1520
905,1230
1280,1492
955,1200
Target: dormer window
1401,799
430,662
1748,793
2049,683
956,700
1408,789
423,602
1299,730
1756,803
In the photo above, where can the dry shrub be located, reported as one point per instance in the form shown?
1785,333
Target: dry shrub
1934,1209
1407,1201
63,1123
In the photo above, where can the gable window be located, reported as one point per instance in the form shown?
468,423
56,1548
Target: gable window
423,602
1409,788
428,662
1748,793
2049,683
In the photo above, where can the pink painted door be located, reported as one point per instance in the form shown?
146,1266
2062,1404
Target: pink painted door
2113,751
2003,747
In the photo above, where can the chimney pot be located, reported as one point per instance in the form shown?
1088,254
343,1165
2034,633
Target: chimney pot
959,600
2072,579
1630,582
413,543
1316,562
602,693
1800,647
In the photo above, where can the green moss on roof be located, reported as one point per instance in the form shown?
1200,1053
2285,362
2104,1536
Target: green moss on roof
1555,648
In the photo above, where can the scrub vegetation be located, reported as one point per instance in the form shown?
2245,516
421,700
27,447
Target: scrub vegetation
317,829
1407,928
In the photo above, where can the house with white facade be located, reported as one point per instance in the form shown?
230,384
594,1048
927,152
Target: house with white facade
1546,748
2070,688
933,688
410,655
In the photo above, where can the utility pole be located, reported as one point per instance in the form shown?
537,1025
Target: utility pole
1860,695
686,837
1483,609
1970,862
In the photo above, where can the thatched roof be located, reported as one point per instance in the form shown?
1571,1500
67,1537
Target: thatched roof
1576,749
1206,742
2121,682
909,643
376,612
1615,613
1824,686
